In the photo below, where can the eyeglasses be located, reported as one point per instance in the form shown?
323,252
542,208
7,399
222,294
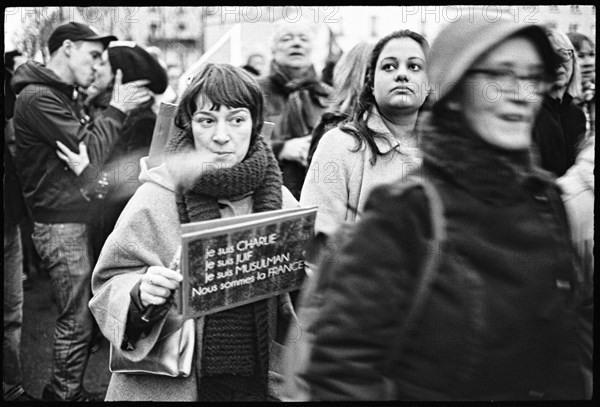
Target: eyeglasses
565,55
506,78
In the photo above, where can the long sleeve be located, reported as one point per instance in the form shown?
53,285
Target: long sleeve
367,284
147,234
330,178
54,121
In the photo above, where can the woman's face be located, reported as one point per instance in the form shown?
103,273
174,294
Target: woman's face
587,61
224,133
500,108
400,82
564,71
103,75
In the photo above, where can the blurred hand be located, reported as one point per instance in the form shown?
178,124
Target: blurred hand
186,167
128,96
157,285
296,149
75,161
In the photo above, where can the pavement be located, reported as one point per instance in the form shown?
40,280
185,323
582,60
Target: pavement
39,317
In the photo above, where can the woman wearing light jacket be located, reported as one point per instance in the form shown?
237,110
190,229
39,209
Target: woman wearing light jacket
500,315
377,144
236,353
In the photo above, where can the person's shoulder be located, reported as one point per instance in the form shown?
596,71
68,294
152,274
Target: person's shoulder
152,196
338,140
405,193
38,92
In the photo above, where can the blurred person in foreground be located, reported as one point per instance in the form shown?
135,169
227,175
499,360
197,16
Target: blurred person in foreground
349,77
218,165
377,144
561,125
47,114
586,58
294,98
499,320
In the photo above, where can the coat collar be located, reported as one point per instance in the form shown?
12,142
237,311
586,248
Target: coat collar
386,142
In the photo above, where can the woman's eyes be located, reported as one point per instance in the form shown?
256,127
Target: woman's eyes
415,67
207,121
238,120
388,67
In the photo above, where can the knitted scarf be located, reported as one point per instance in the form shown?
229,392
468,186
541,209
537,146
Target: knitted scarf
491,174
299,116
235,348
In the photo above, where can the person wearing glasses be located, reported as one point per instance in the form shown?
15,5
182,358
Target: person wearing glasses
498,317
561,125
586,56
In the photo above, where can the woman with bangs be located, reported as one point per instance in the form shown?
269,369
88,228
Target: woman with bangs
376,144
217,165
561,125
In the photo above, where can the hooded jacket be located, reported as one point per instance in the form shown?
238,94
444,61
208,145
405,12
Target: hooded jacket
505,315
147,234
47,110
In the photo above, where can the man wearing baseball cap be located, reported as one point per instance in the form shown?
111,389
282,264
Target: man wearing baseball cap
46,112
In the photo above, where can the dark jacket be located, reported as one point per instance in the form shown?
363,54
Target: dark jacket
501,319
275,101
12,197
123,165
559,128
47,110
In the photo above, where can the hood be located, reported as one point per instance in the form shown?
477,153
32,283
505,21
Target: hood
450,56
34,73
158,175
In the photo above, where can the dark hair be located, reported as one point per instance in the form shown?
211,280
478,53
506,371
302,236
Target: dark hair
356,123
222,84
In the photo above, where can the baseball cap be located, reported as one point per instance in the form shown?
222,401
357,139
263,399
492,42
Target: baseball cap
76,32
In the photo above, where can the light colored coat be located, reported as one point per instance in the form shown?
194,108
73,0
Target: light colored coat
339,180
147,234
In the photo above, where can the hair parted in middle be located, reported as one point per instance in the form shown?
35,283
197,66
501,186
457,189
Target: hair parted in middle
222,84
559,39
356,124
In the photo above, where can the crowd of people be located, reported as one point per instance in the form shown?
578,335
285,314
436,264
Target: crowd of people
452,256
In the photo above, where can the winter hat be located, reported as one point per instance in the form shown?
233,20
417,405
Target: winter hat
137,63
76,32
461,43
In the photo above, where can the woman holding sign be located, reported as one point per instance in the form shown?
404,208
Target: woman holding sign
218,165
